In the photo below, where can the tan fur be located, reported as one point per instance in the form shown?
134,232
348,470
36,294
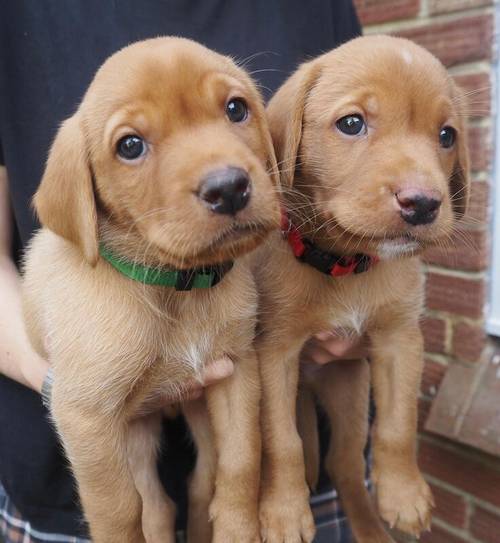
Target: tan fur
340,192
114,342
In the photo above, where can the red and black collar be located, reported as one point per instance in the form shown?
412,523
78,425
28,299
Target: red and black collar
324,261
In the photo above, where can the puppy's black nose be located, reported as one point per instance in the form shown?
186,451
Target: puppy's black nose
226,191
418,206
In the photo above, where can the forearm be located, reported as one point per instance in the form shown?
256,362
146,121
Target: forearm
18,360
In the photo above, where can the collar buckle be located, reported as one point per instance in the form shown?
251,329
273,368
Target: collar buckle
185,280
317,258
323,261
201,277
344,266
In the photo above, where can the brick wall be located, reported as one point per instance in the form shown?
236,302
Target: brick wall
466,482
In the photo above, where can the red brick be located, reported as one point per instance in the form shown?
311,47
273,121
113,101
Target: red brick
465,250
455,295
432,377
424,408
480,148
477,89
450,507
461,40
471,476
478,203
434,331
485,525
378,11
440,535
468,341
444,6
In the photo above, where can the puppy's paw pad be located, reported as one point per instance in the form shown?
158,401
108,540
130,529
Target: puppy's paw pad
405,502
285,519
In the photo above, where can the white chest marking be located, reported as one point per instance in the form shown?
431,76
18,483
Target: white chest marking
196,353
350,323
393,248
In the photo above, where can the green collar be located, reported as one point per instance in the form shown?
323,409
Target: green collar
205,277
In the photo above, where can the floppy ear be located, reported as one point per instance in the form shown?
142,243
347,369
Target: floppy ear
285,112
460,180
65,200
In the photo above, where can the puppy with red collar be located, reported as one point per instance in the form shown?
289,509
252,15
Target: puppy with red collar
372,146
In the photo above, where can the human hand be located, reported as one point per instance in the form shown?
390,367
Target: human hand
331,346
33,369
211,374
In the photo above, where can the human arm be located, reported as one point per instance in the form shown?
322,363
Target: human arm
18,360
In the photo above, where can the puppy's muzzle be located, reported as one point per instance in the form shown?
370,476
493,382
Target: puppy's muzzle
418,206
226,191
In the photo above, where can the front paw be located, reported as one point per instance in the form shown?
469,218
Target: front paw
286,517
404,499
234,523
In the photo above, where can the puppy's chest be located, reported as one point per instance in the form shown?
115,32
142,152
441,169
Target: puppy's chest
348,322
196,333
349,308
192,345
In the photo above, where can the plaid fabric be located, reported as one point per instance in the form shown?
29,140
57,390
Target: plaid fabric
332,525
13,529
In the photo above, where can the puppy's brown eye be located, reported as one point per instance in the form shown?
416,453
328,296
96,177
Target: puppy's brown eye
447,137
131,147
236,110
352,125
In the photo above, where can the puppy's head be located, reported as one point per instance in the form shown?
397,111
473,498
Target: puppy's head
171,147
373,133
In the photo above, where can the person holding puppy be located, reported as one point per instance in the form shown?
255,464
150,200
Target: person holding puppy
60,51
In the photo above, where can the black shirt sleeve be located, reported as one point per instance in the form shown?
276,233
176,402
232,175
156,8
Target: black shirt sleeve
346,25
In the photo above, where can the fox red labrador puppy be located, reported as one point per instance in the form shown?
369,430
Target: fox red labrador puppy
154,191
371,144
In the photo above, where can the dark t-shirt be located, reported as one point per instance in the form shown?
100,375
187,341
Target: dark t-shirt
50,51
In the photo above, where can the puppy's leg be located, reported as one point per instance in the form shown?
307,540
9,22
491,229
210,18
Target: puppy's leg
96,445
158,510
307,426
234,411
201,486
343,389
404,498
285,513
